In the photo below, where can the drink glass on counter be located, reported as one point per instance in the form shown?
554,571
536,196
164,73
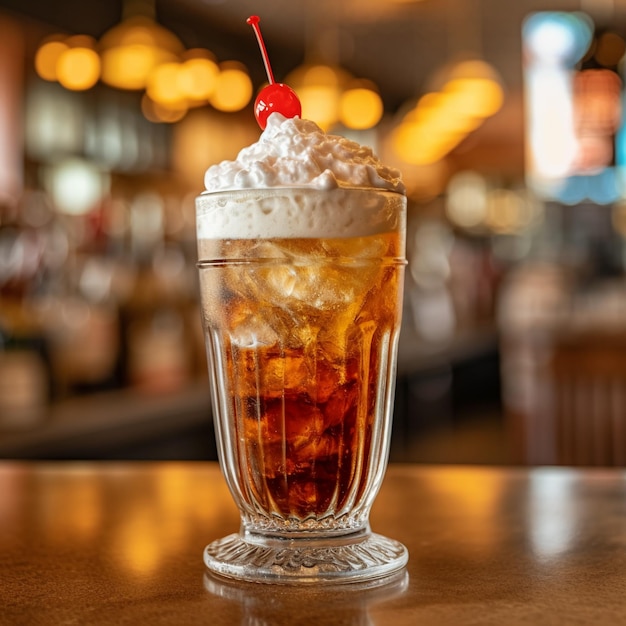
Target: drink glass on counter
301,313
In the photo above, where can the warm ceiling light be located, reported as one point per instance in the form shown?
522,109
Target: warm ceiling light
407,139
476,97
138,54
163,84
78,67
133,48
429,101
47,56
320,103
325,75
415,144
360,106
197,78
451,119
423,144
177,85
319,88
477,85
467,93
316,75
473,68
233,88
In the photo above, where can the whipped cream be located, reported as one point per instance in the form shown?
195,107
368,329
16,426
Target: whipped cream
293,152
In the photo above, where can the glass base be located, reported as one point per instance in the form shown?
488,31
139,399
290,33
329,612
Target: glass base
349,558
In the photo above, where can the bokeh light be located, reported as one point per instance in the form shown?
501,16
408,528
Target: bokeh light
475,97
132,49
78,67
233,89
557,37
469,93
47,57
198,75
163,84
360,106
466,204
75,185
319,88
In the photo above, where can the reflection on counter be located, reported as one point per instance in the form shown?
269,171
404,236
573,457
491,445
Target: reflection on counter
348,605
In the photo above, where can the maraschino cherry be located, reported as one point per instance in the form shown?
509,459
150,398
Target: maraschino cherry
276,97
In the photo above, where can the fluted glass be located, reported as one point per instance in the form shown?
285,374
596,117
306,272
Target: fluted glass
301,336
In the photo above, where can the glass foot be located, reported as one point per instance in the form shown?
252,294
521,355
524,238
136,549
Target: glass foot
316,560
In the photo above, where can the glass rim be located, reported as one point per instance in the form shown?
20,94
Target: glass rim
345,262
300,189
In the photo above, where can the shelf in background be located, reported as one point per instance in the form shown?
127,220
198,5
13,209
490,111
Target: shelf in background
118,424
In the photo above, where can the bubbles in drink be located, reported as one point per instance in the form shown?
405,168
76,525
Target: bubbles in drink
309,324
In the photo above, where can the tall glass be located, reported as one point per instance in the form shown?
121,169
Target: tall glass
301,294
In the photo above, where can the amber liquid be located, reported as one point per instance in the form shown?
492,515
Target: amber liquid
301,342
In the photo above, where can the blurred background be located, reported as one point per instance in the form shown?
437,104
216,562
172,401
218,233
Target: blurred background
505,118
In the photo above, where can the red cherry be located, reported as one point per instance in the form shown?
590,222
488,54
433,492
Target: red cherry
276,97
279,98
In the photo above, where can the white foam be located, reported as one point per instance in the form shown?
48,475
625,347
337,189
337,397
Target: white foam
296,212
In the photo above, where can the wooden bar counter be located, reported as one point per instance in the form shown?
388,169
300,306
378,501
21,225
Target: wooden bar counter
121,543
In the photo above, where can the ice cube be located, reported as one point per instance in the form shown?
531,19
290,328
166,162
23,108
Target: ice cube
253,331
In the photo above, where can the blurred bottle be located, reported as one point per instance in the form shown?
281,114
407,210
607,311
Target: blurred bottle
94,302
77,306
25,372
158,341
25,380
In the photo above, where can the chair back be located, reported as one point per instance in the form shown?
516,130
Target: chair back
588,379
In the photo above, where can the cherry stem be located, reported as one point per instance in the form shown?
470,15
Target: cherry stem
254,20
